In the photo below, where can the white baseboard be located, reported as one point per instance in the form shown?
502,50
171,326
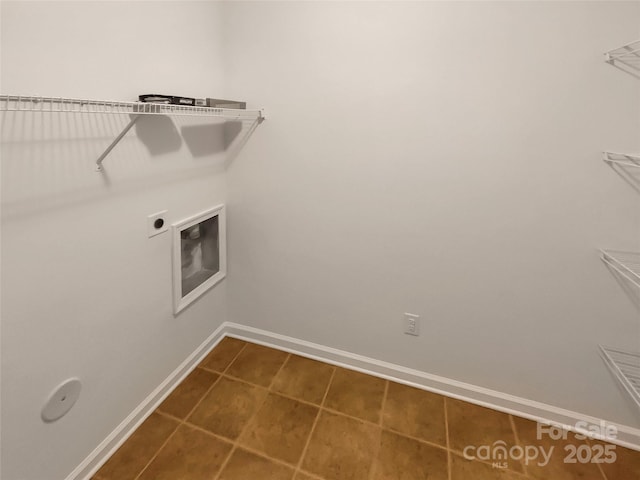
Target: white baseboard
626,436
122,432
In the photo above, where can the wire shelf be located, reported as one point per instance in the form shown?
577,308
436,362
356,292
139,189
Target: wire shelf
623,159
626,57
626,264
625,366
17,103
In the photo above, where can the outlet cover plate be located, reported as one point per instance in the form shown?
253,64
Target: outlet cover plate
411,324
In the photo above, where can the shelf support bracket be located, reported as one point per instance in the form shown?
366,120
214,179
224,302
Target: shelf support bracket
134,119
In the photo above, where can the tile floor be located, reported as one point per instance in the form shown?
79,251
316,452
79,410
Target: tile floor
254,413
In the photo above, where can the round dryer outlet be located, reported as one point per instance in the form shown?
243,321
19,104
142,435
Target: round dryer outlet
61,400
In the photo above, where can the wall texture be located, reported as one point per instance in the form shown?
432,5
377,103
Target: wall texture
443,159
84,292
435,158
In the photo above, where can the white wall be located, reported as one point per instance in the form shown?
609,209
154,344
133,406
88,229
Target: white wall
441,159
436,158
84,292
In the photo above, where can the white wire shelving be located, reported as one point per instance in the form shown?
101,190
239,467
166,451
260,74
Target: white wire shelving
18,103
626,264
626,57
625,366
624,159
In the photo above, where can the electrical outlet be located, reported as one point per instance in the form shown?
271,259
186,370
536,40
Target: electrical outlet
157,223
411,324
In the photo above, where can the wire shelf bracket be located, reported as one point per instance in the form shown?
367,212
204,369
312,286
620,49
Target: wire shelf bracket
625,366
16,103
626,58
115,142
626,264
624,159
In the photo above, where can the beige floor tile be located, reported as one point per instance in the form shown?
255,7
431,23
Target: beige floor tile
245,465
401,458
557,467
341,448
257,364
474,426
626,464
415,412
139,449
190,454
224,353
462,469
227,408
356,394
303,378
182,400
281,428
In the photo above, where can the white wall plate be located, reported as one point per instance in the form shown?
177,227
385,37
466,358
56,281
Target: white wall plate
61,399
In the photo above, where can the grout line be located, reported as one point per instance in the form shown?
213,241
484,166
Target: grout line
411,437
512,422
168,415
248,449
599,465
158,451
337,412
374,464
326,390
242,380
226,461
236,443
237,440
273,380
310,475
220,375
384,401
315,422
183,421
446,434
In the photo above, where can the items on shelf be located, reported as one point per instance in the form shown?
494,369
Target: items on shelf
167,99
198,102
219,103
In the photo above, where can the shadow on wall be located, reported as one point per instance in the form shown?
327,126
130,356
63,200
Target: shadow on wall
201,139
629,288
159,134
48,158
629,174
